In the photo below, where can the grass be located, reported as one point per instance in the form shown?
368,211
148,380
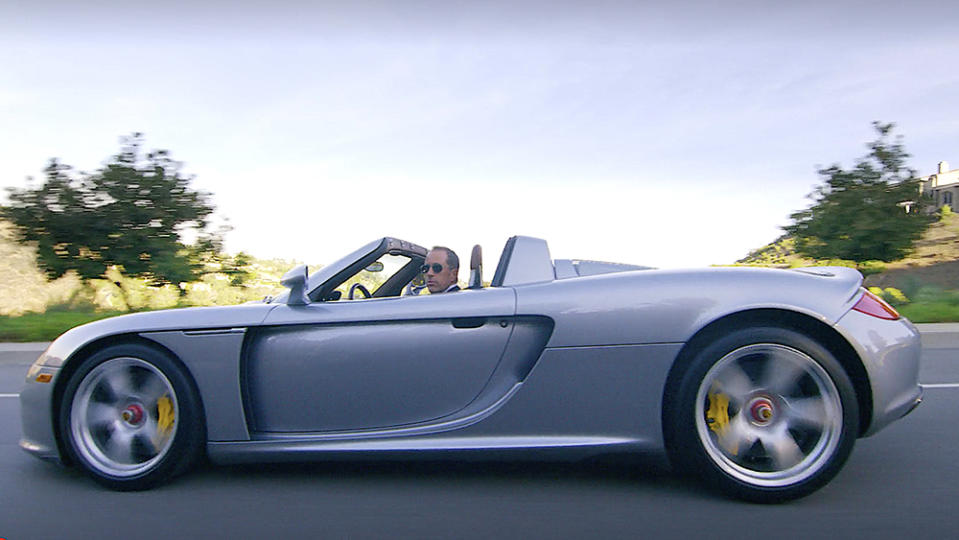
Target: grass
45,326
930,312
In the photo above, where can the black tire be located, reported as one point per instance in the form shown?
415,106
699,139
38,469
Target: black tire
765,414
131,417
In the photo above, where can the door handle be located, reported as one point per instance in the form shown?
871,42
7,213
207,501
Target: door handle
468,322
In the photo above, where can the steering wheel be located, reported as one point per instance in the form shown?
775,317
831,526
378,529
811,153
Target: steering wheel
359,287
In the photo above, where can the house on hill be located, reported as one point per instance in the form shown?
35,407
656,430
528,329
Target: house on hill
942,186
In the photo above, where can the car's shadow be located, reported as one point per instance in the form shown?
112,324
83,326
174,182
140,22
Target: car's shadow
616,472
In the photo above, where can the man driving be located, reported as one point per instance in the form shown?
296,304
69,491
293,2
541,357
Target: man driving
441,270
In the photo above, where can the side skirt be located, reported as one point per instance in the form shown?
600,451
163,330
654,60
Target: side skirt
456,448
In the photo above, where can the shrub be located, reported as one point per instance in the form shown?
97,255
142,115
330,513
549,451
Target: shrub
836,262
872,267
894,296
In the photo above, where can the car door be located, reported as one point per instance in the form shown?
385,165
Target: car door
377,363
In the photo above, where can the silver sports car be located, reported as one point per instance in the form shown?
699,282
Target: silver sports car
757,380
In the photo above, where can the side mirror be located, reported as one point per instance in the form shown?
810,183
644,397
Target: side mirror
296,280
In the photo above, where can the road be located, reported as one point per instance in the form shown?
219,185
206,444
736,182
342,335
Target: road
901,483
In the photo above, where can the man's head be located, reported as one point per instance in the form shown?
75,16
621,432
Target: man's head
442,269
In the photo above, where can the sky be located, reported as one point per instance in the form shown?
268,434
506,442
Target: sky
674,135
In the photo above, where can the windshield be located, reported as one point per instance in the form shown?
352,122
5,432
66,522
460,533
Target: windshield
373,276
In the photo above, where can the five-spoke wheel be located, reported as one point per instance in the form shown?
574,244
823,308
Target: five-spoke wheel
129,417
766,413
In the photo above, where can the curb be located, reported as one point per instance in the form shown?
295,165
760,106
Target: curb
938,328
34,346
939,335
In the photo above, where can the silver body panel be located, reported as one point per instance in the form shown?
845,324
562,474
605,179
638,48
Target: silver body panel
890,351
579,401
569,361
569,268
36,415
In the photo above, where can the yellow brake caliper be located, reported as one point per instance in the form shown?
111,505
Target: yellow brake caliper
717,416
164,415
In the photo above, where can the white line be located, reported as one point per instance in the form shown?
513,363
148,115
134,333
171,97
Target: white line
9,395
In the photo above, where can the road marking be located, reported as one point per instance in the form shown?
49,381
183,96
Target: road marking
9,395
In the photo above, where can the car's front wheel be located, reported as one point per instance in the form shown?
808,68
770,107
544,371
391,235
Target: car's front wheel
766,414
130,417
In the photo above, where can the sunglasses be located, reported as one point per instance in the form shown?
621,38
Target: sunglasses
437,268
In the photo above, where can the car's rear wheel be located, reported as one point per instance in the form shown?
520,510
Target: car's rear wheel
766,414
130,417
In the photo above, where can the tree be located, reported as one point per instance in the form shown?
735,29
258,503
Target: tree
871,212
131,213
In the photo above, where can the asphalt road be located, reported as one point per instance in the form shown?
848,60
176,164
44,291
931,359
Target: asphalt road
901,483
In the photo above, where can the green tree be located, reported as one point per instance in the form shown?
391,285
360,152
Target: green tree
132,213
871,212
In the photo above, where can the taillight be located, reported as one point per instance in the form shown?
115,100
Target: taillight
870,304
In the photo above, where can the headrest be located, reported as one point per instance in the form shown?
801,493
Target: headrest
476,268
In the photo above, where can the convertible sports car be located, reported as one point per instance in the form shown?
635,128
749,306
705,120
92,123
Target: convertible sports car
757,380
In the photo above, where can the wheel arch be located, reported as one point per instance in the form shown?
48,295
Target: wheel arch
821,332
89,349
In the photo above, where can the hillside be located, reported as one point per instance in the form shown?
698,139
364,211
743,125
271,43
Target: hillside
934,262
24,288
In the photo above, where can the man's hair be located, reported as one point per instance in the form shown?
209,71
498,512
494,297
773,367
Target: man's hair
451,259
